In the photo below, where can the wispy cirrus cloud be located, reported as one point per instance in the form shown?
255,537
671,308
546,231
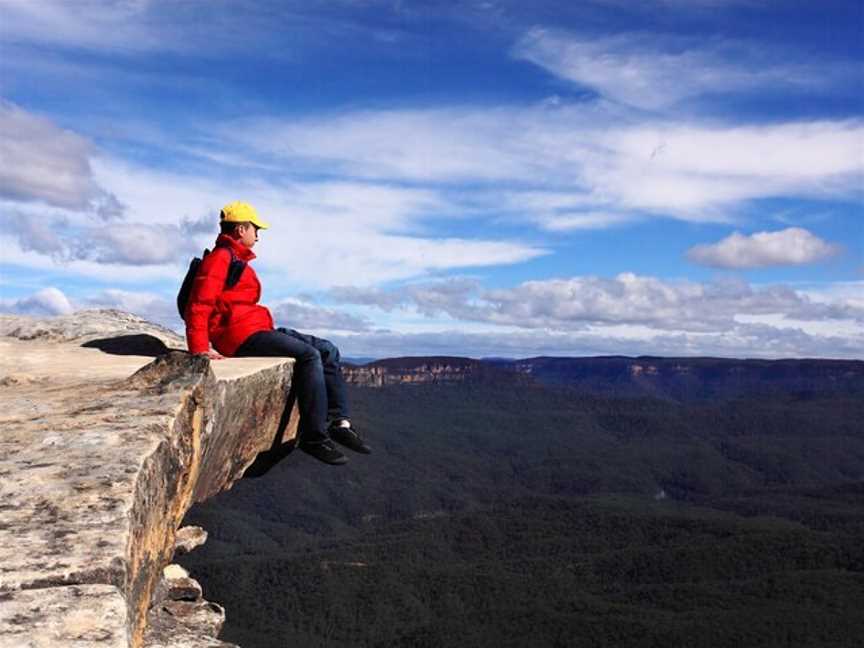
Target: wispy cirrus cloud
126,26
195,27
652,71
590,156
387,189
87,23
563,220
791,246
325,231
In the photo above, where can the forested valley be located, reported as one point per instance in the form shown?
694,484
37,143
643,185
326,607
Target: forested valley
513,513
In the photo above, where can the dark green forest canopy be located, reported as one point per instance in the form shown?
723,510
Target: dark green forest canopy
548,516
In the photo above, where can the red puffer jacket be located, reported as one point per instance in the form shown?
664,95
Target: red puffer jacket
224,316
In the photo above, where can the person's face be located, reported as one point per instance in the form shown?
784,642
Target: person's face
247,234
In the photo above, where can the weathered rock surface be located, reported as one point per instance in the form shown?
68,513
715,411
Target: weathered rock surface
176,585
187,538
75,616
86,325
185,624
102,453
179,617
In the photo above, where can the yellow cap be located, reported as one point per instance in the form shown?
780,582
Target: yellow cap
240,212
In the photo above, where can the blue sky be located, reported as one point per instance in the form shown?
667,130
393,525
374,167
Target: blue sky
666,177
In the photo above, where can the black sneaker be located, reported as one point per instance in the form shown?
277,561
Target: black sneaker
349,438
324,451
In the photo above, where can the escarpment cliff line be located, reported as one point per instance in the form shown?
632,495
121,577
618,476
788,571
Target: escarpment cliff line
102,452
427,370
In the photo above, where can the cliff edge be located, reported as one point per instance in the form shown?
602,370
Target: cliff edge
110,432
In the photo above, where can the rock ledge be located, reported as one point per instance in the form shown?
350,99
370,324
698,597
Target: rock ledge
102,453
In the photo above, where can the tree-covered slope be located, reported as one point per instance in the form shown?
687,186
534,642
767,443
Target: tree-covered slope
544,516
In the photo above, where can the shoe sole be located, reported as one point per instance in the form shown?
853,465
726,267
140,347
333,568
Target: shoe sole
339,461
366,450
361,450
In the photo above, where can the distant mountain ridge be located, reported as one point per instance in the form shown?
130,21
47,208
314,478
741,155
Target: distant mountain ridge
681,379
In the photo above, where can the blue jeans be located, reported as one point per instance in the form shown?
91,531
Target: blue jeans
321,394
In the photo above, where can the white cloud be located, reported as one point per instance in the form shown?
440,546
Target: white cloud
316,261
48,301
323,233
565,221
432,145
42,162
588,158
778,154
201,28
850,291
757,337
579,303
136,244
128,25
626,315
656,71
297,314
742,341
64,237
155,307
791,246
565,168
91,269
35,233
430,298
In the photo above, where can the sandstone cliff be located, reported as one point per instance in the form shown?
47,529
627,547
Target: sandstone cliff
103,449
427,370
680,379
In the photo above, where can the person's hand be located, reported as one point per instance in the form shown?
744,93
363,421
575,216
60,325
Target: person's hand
212,355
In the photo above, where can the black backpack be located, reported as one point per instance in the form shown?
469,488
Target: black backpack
234,271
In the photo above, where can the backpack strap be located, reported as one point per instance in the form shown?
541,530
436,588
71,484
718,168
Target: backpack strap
235,269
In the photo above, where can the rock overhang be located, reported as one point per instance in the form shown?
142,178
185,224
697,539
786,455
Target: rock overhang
102,453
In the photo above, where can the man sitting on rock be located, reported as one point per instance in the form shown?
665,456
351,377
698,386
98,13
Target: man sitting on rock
232,319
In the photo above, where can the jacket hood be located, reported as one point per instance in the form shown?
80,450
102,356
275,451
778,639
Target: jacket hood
240,251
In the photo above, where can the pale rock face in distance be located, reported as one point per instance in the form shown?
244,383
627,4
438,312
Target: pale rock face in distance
103,449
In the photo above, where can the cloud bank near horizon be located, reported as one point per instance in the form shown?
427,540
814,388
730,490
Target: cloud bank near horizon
577,316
